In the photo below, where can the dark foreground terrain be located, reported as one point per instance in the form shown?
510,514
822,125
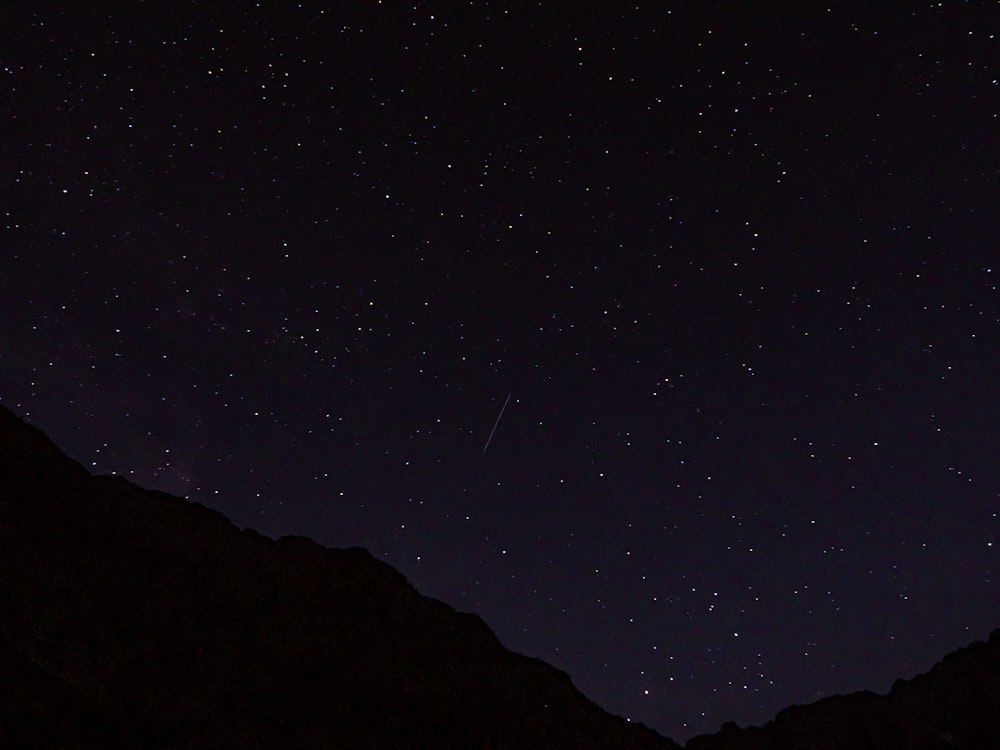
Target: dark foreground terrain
132,618
954,706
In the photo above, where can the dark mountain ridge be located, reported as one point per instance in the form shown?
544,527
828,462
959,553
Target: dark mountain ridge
133,618
955,705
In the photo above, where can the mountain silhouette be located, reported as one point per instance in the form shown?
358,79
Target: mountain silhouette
133,618
954,706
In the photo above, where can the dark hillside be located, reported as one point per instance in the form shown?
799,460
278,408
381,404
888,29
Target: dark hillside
133,616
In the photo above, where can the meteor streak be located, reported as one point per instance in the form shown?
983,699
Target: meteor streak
495,425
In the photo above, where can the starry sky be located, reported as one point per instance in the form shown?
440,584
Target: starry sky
723,280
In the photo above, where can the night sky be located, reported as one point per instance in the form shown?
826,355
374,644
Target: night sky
736,271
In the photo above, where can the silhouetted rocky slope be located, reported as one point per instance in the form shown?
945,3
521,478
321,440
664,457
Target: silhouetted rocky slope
134,618
954,706
131,618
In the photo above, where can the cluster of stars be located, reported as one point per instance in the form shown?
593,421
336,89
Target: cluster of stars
290,264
